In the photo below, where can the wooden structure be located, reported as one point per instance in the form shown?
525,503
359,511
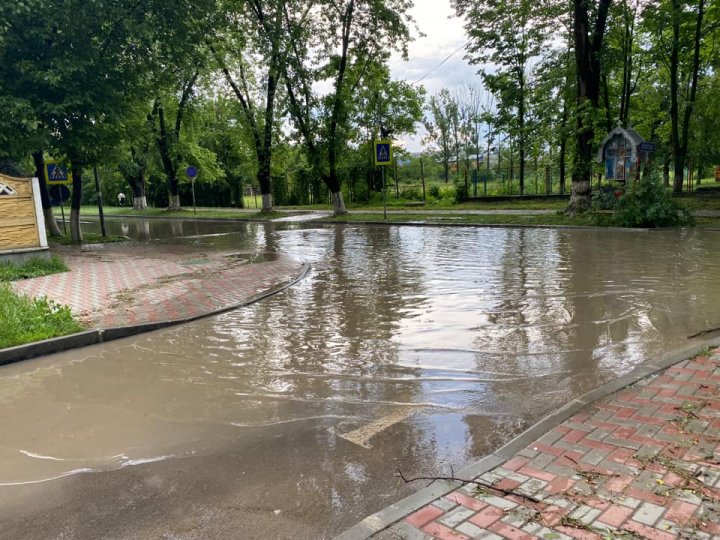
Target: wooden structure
623,151
22,224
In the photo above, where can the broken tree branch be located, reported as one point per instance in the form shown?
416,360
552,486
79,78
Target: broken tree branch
453,478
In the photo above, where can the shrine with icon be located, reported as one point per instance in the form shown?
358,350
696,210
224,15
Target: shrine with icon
623,152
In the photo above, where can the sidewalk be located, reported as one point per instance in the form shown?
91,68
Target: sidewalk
643,462
131,283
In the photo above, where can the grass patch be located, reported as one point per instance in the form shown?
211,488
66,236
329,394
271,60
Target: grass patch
88,238
222,213
26,320
34,267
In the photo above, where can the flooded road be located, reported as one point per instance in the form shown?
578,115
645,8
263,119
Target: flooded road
407,348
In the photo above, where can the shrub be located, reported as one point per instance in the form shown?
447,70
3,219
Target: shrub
434,192
412,193
607,197
461,191
648,204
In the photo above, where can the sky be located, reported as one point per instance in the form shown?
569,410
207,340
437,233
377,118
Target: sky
444,34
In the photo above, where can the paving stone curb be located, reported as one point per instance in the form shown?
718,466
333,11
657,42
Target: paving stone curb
396,512
101,335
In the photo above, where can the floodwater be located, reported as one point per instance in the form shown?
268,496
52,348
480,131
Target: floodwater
406,348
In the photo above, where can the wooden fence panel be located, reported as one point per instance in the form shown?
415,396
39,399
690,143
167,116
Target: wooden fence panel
18,222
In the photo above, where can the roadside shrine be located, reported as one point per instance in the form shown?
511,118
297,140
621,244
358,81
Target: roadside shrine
623,152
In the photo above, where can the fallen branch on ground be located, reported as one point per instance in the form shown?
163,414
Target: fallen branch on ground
485,485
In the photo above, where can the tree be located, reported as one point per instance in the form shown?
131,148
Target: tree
589,24
168,138
254,30
680,119
508,35
444,112
351,34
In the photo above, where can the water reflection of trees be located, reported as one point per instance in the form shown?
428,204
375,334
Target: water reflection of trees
328,345
546,308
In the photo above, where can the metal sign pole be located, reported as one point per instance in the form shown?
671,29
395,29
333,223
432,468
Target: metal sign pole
62,211
192,184
100,204
382,170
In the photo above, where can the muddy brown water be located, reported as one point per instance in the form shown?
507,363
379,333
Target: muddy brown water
406,348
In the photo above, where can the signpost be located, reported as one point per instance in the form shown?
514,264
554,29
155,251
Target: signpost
100,204
58,195
57,174
383,158
192,173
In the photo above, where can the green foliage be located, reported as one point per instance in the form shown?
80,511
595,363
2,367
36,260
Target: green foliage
412,193
607,197
26,320
648,204
434,192
461,190
35,267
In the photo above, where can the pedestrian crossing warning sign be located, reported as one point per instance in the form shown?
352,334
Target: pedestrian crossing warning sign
383,153
57,174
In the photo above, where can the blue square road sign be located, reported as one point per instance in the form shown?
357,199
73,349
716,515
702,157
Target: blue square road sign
383,153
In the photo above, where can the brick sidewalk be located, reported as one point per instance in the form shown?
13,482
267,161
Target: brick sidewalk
125,284
641,463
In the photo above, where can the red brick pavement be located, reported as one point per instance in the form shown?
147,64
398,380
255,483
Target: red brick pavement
641,463
129,284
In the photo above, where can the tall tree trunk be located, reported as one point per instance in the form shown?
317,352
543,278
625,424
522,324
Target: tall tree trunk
76,201
332,181
265,154
50,221
628,42
137,186
167,161
521,138
136,181
563,148
606,97
587,59
678,155
690,106
446,164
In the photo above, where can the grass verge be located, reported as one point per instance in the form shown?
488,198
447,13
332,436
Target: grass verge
35,267
88,238
235,213
26,320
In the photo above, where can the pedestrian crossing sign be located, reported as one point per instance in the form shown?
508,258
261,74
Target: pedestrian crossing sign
383,153
57,174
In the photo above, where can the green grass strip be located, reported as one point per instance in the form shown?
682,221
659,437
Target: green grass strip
35,267
25,320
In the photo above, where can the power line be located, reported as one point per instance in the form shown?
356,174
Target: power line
443,62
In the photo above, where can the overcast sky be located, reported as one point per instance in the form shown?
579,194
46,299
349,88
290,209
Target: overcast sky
444,34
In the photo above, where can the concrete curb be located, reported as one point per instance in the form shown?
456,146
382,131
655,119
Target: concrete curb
102,335
396,512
